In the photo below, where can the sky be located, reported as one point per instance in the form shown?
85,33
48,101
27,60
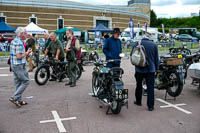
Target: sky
163,8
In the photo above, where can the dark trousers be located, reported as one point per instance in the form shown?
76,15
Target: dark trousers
111,65
149,78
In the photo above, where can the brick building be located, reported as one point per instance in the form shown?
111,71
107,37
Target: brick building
56,14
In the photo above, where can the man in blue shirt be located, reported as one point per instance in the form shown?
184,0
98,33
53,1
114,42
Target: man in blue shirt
112,48
148,73
18,65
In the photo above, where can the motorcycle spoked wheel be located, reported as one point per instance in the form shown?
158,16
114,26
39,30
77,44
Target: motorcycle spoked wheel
79,72
175,86
95,85
116,106
42,75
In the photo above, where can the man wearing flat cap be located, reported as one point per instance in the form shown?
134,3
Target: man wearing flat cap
112,48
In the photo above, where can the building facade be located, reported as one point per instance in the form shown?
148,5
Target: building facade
53,15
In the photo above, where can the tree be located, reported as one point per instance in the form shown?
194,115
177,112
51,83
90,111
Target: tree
153,19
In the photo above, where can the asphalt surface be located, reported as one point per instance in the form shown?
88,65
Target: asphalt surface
90,118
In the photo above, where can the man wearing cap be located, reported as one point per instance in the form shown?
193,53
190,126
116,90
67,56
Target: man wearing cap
112,48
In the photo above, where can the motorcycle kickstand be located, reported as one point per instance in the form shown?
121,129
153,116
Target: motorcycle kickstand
107,112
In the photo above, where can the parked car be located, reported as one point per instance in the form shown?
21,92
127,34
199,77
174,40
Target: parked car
7,37
186,37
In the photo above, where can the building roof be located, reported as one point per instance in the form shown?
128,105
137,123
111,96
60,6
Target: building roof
74,5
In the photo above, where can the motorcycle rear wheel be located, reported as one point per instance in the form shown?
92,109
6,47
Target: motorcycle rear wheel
116,107
176,86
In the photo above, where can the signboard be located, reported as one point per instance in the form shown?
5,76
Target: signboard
77,33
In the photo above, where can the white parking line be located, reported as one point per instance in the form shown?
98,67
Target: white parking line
58,121
176,106
3,68
5,75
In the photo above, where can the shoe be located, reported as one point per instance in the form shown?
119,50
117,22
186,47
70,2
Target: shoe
151,109
72,85
34,67
52,79
30,70
68,83
138,104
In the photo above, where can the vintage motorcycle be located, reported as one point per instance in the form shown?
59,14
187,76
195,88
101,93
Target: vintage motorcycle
88,57
108,87
170,76
56,69
182,50
190,59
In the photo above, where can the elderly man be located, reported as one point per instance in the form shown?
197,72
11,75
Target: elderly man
54,50
18,60
30,45
112,48
73,54
47,40
147,73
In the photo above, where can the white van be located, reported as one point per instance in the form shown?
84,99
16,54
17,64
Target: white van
138,34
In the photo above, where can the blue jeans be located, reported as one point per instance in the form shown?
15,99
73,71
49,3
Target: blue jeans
21,80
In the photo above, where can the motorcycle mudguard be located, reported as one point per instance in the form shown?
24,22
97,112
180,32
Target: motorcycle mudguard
181,77
118,85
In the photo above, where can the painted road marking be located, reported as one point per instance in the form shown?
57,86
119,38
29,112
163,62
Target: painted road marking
58,121
2,68
8,75
176,106
5,75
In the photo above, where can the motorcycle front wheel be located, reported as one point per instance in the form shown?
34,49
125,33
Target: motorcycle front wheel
95,85
116,107
175,85
42,75
79,72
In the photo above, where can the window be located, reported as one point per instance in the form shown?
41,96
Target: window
33,19
60,23
2,18
138,25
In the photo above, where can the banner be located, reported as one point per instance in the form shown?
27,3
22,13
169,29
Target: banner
163,30
131,26
145,26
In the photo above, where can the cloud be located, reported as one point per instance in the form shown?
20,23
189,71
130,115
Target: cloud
191,2
163,2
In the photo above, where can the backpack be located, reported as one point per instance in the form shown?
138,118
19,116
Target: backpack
138,56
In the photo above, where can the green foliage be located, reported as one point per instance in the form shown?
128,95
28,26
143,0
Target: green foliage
153,21
189,22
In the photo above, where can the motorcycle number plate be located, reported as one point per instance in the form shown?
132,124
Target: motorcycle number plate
121,94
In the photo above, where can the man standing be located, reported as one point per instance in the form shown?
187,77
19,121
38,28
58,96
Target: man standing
73,54
147,73
54,50
18,64
47,40
112,48
30,45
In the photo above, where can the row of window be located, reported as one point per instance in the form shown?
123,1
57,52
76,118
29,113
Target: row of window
60,21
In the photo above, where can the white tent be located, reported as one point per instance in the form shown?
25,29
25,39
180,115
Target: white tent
34,29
